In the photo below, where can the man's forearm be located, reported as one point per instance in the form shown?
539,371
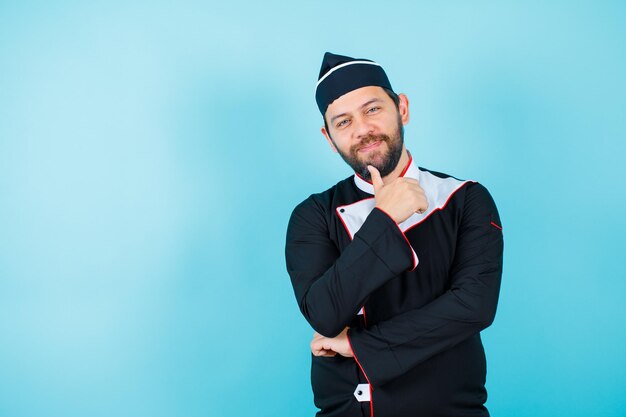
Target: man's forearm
330,299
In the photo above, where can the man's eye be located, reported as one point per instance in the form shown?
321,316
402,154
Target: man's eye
373,109
342,123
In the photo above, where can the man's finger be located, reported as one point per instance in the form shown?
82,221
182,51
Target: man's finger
325,353
377,181
318,348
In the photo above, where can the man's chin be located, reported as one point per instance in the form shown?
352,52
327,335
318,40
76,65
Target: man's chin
376,160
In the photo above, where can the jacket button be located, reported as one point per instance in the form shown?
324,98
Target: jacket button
362,393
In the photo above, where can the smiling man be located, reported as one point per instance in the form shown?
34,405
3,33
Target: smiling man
396,268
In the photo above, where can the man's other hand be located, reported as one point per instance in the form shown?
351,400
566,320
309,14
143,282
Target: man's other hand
326,346
399,198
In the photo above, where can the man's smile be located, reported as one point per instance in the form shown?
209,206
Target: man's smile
370,146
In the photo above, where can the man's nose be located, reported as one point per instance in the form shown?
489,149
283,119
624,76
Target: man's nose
362,127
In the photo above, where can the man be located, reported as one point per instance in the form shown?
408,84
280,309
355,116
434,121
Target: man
397,268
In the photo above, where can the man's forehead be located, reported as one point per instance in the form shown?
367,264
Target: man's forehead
355,99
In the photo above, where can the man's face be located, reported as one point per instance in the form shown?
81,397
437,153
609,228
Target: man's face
366,128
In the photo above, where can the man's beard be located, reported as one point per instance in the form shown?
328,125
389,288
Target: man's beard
385,162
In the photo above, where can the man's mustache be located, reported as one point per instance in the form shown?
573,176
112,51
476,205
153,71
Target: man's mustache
368,140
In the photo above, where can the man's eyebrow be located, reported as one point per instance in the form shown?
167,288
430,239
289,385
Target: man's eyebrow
374,100
367,103
332,120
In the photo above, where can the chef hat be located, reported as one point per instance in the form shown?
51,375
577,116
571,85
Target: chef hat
341,74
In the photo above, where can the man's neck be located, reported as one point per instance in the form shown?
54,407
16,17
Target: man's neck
402,164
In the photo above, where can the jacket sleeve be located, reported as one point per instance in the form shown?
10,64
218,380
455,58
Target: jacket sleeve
391,348
331,287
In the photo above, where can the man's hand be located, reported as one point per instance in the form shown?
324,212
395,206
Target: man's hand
326,346
400,198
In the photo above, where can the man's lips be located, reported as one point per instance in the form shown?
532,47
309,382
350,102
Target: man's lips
370,146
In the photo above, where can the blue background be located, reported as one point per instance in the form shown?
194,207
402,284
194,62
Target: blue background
151,153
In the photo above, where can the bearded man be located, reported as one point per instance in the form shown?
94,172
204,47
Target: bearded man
396,268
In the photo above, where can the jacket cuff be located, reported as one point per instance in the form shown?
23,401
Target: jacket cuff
394,227
379,365
356,359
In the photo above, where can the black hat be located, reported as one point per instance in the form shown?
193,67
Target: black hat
341,74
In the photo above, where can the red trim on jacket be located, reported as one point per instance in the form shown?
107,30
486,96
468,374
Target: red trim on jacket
338,211
345,226
364,374
442,207
495,225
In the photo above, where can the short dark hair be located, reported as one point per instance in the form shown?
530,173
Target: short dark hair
393,96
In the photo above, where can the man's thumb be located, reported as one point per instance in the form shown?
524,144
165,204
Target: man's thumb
377,181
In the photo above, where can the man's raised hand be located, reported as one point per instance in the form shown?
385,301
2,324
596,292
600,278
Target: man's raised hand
399,198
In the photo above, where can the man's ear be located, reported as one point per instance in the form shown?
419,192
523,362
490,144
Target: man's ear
403,108
328,139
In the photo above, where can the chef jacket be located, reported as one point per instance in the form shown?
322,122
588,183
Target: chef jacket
414,295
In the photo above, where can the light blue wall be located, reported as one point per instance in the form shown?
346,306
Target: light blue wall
151,153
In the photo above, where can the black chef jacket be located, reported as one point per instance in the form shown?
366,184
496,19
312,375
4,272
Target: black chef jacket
415,296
